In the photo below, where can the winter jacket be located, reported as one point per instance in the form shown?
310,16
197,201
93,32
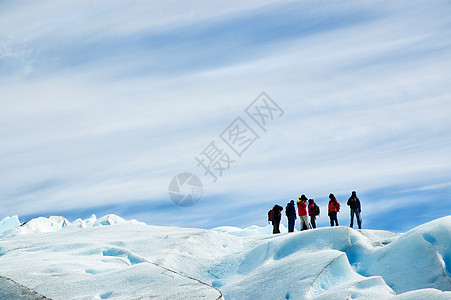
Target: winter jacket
334,205
276,215
302,211
290,211
354,202
311,209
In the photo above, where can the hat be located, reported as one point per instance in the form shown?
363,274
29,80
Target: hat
353,192
292,201
331,196
303,197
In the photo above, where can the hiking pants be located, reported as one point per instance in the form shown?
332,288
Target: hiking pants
304,222
333,218
356,211
275,225
313,221
291,225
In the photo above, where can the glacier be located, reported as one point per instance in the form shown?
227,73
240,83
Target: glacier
114,258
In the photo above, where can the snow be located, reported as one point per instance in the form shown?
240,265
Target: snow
114,258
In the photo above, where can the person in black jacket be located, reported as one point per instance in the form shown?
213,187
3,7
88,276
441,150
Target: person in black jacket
276,216
290,212
354,205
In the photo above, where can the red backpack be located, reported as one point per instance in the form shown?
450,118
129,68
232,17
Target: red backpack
270,215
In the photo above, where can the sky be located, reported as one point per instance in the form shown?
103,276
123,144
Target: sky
103,103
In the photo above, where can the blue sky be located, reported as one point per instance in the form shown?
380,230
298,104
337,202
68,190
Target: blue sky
102,104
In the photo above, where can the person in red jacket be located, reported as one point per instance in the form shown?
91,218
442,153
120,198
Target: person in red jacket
302,211
334,208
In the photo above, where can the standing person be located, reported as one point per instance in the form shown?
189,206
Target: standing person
334,208
276,216
290,212
354,205
312,212
302,211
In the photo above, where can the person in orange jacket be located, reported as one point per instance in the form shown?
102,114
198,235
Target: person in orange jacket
302,211
334,208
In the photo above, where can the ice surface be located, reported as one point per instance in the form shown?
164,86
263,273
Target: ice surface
421,258
250,231
112,258
9,223
109,220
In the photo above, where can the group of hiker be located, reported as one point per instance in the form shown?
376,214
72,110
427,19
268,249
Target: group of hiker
307,208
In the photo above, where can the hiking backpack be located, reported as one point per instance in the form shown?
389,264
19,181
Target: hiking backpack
317,211
270,215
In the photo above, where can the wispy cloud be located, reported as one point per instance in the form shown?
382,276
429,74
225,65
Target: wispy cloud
103,103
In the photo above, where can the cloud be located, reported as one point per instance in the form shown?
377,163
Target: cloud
102,104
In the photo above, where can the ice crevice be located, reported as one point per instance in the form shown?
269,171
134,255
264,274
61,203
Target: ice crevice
445,263
11,290
133,259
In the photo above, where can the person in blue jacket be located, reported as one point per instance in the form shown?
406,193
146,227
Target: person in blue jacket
276,216
290,212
